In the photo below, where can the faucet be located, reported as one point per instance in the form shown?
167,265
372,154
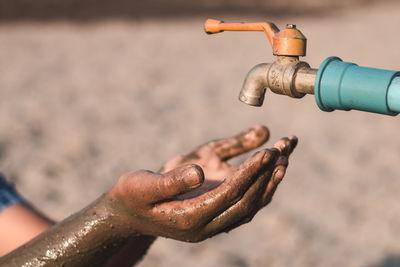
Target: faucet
336,84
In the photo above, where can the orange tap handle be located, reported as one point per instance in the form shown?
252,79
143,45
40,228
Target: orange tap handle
215,26
287,42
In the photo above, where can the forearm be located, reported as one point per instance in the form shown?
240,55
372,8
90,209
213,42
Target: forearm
88,238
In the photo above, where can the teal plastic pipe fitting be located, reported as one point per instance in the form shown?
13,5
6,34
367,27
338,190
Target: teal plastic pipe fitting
394,95
345,86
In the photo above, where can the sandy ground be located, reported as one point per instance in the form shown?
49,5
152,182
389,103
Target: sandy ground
80,104
93,10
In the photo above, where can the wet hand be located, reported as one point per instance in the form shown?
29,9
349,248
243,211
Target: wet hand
213,156
148,203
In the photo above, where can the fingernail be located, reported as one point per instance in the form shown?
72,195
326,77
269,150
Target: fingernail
284,148
294,140
245,135
279,174
193,176
256,132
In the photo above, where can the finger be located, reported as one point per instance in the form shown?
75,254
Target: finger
241,143
286,145
211,204
277,176
178,181
236,215
241,212
294,140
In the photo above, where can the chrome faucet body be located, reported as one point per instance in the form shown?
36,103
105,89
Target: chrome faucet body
286,76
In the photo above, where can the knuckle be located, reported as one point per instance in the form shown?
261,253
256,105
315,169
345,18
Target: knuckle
135,174
129,176
169,180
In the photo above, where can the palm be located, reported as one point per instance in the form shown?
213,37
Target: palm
212,157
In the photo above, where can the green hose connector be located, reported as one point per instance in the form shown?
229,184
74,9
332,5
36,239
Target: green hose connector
346,86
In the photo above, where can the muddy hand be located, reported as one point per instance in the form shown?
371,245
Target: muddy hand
146,203
245,209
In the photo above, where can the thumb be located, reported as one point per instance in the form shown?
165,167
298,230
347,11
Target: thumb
179,181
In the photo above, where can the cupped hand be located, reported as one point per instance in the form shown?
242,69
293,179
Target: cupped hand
149,203
213,156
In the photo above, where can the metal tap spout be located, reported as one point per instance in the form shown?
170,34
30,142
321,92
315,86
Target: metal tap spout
255,84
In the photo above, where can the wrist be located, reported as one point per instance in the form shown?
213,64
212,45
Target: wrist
111,206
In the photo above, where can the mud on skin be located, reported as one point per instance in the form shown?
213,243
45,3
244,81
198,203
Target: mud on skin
87,238
143,205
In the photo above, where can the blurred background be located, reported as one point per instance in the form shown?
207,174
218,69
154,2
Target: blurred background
92,89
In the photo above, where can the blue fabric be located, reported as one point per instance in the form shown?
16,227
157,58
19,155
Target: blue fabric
8,195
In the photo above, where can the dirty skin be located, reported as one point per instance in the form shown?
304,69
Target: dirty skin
178,202
87,238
